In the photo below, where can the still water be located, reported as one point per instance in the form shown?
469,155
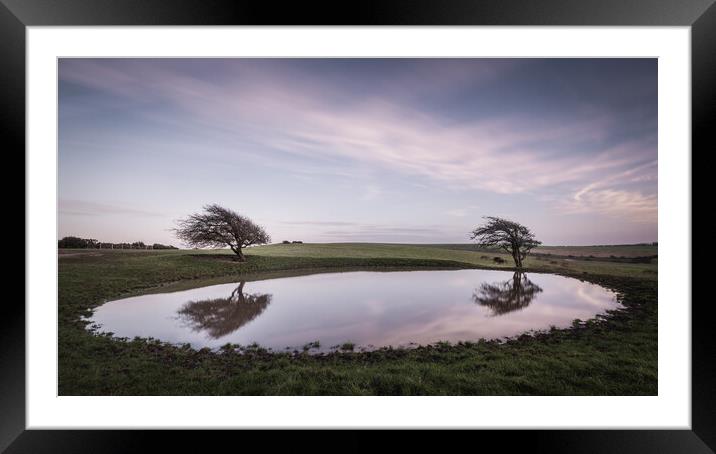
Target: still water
369,309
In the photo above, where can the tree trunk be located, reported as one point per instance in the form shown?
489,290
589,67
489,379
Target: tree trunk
239,255
518,260
515,257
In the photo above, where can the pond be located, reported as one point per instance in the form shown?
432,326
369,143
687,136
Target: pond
370,309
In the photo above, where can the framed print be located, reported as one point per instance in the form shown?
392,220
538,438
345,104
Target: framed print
384,219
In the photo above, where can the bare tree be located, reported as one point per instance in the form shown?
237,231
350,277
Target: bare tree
512,237
220,227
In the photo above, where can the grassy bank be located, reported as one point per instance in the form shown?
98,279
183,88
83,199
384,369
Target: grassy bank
614,355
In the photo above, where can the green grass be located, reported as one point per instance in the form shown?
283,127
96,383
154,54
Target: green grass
607,251
615,355
471,258
628,250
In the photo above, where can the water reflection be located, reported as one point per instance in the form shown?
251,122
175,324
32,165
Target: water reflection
221,316
511,295
364,308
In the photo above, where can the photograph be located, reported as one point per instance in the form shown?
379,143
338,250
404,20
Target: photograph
466,217
363,226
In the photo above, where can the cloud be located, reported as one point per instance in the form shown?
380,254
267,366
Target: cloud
360,227
293,122
611,196
319,223
461,212
631,205
85,208
359,231
458,212
503,155
508,154
371,192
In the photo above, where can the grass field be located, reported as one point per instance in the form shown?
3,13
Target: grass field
609,251
614,355
560,264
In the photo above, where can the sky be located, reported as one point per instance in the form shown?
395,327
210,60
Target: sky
360,150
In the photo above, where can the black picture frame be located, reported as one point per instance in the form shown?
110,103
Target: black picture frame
700,15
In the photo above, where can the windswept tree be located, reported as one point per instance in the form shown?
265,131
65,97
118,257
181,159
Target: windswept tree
220,227
512,237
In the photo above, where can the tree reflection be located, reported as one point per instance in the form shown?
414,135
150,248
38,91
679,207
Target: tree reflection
221,316
508,296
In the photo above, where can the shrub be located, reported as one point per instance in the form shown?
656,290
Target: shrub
348,346
72,242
